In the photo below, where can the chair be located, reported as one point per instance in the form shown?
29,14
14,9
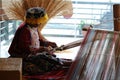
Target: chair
98,57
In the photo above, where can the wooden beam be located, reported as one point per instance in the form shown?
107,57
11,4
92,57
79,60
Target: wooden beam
116,15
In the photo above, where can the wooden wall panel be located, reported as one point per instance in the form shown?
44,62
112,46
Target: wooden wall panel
116,15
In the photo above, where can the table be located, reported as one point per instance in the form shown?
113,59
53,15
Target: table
10,68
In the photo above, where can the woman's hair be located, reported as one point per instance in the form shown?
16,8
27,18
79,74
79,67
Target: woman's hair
36,15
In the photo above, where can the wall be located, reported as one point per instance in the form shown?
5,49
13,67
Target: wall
3,16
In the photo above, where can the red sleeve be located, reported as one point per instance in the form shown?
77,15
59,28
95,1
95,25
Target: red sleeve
21,42
24,40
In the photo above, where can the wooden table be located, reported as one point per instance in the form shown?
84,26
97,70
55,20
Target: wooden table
10,69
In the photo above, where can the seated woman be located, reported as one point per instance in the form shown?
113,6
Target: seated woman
36,53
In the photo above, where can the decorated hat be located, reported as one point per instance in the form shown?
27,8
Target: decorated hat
36,15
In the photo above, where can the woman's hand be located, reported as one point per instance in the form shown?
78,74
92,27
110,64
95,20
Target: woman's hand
52,44
41,49
34,50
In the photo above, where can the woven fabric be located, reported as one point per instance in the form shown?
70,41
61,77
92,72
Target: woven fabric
98,57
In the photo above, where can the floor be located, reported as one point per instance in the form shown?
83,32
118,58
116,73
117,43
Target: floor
69,53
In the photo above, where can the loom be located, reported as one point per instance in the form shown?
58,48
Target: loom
98,57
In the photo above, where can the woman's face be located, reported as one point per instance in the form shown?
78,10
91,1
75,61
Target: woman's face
34,25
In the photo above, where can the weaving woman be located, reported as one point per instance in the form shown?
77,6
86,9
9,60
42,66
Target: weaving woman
36,53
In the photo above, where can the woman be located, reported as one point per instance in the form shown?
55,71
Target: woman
26,40
36,53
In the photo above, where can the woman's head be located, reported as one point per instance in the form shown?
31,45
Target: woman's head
36,16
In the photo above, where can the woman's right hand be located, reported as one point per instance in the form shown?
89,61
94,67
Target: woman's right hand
42,49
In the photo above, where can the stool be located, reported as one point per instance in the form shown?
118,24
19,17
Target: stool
10,68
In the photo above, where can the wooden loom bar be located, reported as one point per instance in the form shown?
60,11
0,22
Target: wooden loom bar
116,15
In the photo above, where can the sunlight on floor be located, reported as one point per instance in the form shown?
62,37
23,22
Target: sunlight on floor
69,53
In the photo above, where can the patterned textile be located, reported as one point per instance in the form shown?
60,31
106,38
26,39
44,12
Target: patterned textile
53,75
98,57
40,64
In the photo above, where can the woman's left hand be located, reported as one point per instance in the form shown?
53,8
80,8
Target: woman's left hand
52,44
